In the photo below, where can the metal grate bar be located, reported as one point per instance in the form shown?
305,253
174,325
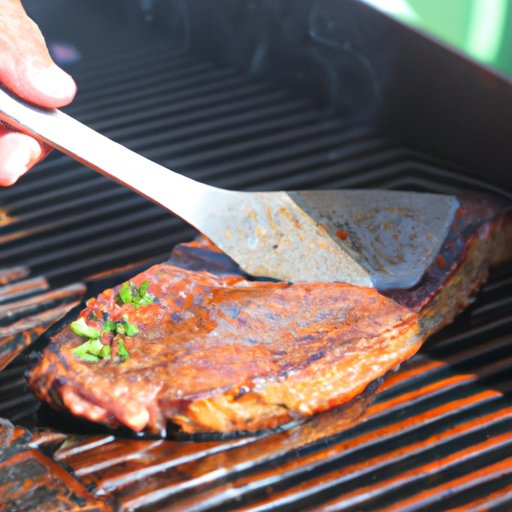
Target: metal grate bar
277,477
390,410
177,90
134,90
202,95
124,69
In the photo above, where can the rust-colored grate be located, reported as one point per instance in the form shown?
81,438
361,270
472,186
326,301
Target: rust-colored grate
438,434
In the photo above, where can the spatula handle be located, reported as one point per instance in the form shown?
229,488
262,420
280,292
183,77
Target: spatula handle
173,191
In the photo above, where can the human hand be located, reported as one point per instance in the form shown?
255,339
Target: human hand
27,70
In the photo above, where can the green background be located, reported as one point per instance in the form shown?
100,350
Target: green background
481,29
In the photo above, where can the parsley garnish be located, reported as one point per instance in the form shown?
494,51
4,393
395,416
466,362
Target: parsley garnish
123,352
93,350
82,329
110,326
125,327
122,327
136,295
126,293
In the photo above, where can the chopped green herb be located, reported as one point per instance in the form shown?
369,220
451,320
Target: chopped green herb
81,328
109,326
105,352
123,352
95,346
129,329
144,301
137,296
125,293
91,358
92,350
143,288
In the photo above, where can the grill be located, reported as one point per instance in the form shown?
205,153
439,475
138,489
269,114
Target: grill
434,435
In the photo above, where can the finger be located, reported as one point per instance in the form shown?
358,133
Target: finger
18,153
26,67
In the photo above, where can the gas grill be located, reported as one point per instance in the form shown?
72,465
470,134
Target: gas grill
259,95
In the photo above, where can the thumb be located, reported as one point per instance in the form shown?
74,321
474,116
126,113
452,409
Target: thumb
26,67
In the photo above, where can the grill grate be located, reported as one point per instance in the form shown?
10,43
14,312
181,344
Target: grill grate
438,434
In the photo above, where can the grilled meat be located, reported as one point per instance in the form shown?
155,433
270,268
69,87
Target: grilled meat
193,342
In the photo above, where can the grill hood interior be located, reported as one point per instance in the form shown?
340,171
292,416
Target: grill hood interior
347,57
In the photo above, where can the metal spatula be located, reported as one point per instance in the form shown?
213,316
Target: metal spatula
377,238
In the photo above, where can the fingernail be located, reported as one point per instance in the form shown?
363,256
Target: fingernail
54,82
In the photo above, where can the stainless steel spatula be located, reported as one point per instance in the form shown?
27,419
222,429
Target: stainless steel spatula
378,238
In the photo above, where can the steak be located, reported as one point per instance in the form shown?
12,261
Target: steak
194,342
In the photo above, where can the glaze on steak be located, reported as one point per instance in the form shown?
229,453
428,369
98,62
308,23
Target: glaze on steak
215,352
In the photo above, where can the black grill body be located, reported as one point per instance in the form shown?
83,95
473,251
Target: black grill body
260,95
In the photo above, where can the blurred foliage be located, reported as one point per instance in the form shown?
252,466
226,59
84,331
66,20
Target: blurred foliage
481,29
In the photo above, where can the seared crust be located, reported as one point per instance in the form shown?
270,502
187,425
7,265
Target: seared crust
218,353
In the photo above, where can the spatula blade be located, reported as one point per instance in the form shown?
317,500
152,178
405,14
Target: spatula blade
377,238
393,235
